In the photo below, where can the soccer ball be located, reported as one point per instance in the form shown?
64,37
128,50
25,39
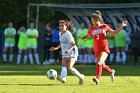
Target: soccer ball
52,74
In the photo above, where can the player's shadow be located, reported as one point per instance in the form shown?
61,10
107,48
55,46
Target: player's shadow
40,84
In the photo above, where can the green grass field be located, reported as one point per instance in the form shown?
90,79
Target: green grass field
32,79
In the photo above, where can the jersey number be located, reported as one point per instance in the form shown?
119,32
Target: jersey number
97,37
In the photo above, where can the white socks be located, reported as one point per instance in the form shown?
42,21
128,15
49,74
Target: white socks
80,60
111,57
25,59
31,58
89,59
37,58
18,59
4,57
76,73
85,58
63,72
118,59
11,58
124,57
93,59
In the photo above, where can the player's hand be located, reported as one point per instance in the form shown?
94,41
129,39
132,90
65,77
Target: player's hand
124,23
79,37
53,49
66,52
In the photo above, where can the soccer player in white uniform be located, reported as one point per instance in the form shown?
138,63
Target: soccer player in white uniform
69,52
9,35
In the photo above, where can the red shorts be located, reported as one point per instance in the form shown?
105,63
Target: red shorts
98,50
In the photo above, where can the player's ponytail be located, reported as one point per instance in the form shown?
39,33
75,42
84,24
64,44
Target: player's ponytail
97,15
98,12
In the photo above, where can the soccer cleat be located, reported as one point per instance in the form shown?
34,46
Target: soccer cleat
63,80
96,80
112,75
81,80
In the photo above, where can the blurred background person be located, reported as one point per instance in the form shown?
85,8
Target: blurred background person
47,36
120,43
135,43
32,35
22,44
111,42
89,49
9,35
82,31
55,55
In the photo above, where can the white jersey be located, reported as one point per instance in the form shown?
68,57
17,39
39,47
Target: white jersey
65,40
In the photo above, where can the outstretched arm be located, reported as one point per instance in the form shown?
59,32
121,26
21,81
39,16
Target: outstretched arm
114,32
55,48
85,37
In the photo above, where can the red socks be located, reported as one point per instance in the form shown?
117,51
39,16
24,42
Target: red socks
98,71
107,69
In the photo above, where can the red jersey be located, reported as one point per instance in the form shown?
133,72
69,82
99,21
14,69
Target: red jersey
100,38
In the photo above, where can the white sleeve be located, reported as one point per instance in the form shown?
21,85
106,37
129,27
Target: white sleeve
70,37
14,32
36,32
5,32
27,32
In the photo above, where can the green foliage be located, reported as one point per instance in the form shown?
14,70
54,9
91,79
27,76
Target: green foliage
16,10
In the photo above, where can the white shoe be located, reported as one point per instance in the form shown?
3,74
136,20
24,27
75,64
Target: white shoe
96,80
81,80
63,80
112,75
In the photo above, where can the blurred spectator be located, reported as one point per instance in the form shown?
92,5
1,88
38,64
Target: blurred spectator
47,36
135,43
82,31
120,42
9,35
111,43
89,50
22,44
55,42
32,35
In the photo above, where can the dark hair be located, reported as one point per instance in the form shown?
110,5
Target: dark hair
67,23
98,12
97,15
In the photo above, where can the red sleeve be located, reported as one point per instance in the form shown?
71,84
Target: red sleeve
107,28
90,31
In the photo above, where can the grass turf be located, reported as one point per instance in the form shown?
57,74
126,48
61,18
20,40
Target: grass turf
32,79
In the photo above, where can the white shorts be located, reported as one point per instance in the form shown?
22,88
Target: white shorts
70,57
81,47
9,45
111,46
33,46
22,48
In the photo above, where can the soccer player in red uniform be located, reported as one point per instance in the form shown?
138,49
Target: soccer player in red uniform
98,31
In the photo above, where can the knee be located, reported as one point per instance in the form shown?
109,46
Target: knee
103,65
99,62
69,69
